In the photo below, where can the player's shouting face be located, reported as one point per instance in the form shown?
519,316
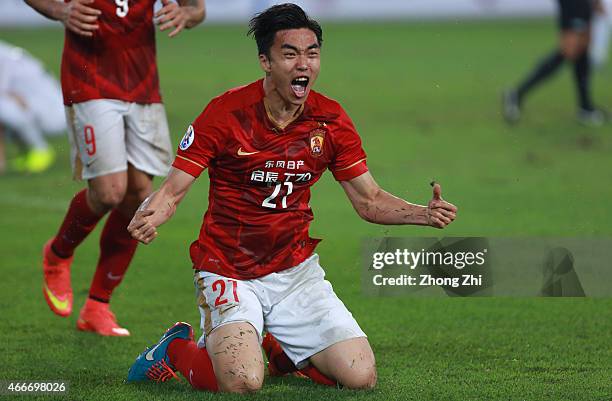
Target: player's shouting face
292,64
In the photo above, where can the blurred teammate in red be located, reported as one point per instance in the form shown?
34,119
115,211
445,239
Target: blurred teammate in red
265,145
119,137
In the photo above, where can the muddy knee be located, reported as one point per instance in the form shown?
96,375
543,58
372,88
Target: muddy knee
240,382
363,379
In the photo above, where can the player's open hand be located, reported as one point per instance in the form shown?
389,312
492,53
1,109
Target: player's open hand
171,15
141,228
440,213
80,18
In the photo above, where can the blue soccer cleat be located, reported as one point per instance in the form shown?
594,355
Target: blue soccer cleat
153,364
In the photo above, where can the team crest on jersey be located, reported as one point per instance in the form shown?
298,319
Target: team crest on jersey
187,138
317,137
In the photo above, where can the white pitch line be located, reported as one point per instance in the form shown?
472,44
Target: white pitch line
18,200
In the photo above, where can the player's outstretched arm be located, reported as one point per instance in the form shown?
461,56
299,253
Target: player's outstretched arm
185,14
77,15
160,206
375,205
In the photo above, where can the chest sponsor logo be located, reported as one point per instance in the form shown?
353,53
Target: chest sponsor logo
187,139
317,138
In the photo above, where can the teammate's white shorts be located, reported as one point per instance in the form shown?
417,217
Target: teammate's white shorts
107,134
297,306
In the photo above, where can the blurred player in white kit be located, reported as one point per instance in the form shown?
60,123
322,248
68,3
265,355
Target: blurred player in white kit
31,107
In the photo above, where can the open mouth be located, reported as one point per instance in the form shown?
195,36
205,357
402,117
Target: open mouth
298,85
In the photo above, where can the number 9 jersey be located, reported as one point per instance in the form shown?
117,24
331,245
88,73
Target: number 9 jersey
118,61
260,177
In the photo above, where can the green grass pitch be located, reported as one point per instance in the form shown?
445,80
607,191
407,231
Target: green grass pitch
425,98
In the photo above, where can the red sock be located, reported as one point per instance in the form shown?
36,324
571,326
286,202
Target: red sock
276,355
117,248
318,377
80,220
283,364
193,363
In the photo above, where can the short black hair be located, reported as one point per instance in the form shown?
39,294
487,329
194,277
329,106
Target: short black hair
264,25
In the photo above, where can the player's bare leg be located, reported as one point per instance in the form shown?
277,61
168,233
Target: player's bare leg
139,186
236,357
107,191
351,363
573,43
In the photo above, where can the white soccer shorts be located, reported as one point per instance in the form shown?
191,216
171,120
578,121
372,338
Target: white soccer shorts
297,306
107,134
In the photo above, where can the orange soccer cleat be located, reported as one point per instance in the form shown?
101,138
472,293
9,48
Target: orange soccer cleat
97,317
56,281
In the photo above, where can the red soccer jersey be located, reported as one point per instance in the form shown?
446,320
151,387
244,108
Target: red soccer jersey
260,177
118,62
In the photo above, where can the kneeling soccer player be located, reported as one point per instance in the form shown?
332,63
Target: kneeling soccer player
265,144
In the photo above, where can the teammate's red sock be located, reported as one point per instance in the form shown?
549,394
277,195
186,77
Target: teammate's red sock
79,221
317,377
193,363
117,248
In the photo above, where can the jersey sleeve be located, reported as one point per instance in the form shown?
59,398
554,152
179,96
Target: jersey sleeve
201,143
349,159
